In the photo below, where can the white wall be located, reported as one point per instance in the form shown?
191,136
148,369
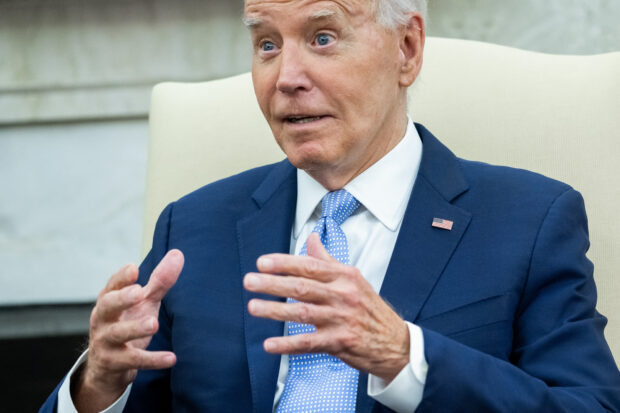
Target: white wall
71,207
550,26
75,77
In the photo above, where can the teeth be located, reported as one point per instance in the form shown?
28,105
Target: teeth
300,120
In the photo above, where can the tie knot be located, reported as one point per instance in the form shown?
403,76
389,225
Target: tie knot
338,205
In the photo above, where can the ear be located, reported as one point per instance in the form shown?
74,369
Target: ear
412,37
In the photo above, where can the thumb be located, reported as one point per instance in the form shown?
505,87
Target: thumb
165,275
315,248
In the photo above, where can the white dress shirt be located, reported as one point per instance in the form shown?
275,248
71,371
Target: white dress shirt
383,191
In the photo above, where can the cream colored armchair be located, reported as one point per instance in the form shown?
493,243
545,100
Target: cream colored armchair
557,115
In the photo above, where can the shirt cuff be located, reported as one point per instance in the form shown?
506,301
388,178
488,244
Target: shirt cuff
65,403
404,393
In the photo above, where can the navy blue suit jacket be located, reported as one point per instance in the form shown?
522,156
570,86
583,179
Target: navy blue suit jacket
506,299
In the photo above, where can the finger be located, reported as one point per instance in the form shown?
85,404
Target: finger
123,331
299,312
165,275
111,304
154,360
316,249
307,267
297,344
125,276
133,358
299,288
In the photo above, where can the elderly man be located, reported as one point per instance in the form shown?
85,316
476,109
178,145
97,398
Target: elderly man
415,280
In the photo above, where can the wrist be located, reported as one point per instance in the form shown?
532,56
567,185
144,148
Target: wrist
397,358
91,394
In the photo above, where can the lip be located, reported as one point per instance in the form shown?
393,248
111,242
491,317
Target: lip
305,126
305,119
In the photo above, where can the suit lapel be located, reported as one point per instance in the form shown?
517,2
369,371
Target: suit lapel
266,230
422,251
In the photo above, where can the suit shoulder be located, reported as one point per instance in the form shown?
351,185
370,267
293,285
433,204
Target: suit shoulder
231,190
501,191
519,182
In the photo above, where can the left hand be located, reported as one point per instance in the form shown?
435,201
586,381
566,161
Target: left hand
352,322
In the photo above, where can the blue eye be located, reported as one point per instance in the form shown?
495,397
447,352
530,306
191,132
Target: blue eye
268,46
323,39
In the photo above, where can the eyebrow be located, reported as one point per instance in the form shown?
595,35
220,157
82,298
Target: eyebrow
253,22
322,14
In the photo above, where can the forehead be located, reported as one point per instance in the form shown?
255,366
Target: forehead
256,10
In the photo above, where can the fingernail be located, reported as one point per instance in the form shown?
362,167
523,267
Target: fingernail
169,358
270,345
255,306
251,281
265,264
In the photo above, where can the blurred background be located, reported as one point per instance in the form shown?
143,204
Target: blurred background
75,80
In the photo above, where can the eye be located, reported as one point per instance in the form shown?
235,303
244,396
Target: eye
267,46
323,39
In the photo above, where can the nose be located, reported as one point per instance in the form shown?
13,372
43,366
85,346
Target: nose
293,74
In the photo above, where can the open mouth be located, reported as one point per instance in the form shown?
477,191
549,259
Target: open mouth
299,120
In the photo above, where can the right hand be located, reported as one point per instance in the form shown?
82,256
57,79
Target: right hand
124,320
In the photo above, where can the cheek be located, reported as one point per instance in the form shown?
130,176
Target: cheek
262,89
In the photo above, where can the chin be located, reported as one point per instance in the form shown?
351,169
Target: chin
305,155
307,163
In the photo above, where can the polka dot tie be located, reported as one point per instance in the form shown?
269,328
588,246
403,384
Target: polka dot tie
320,382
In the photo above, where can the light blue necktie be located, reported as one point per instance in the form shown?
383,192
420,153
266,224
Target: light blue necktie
320,382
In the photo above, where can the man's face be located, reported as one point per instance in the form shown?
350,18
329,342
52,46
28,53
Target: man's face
327,79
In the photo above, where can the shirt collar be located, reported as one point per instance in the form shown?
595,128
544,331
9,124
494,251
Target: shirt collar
383,189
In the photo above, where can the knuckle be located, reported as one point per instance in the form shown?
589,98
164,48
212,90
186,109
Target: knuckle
104,358
104,302
131,293
304,313
312,267
348,341
306,343
154,326
114,334
137,360
302,289
332,346
350,296
94,337
341,344
93,317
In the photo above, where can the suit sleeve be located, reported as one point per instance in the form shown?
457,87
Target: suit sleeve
560,361
150,391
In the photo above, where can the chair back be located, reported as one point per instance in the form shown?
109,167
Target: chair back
554,114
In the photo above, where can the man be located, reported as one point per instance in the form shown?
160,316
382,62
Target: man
469,289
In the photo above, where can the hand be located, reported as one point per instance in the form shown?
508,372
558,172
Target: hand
121,326
352,322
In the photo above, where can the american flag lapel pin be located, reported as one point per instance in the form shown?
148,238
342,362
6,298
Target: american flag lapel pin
442,223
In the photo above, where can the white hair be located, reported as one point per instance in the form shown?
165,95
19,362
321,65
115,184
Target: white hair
393,13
